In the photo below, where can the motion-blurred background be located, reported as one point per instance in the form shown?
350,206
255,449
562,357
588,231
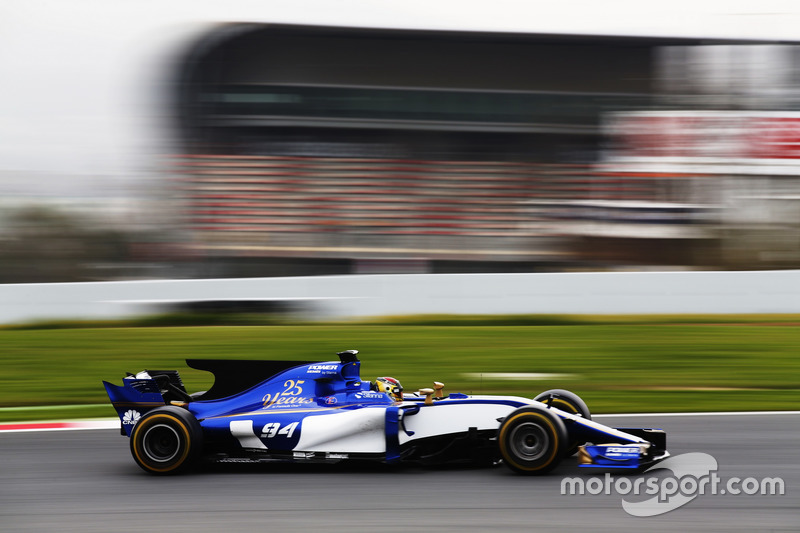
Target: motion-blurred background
187,140
194,140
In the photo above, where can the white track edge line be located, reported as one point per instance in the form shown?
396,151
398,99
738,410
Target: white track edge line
113,423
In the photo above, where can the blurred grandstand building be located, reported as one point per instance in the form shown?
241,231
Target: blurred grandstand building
297,147
338,150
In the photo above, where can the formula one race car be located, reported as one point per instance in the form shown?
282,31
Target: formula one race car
260,411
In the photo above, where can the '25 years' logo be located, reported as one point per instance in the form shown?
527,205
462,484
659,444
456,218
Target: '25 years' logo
291,395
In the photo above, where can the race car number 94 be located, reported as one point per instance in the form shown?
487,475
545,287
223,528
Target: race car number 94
274,428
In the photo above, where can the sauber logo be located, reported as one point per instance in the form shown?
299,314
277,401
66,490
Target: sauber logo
367,394
131,417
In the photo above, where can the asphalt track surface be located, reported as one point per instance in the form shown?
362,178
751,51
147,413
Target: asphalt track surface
87,481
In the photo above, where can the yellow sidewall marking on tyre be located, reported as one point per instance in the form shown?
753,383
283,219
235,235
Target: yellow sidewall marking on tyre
554,433
568,407
150,421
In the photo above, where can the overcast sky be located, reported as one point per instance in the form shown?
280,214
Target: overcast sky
80,79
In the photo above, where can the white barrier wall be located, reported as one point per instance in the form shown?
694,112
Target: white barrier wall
377,295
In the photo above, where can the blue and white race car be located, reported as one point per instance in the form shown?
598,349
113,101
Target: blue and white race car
260,411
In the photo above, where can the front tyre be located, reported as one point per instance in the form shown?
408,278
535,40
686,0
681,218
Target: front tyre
532,440
166,440
566,401
569,402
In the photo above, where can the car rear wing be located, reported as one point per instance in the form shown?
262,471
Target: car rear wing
134,398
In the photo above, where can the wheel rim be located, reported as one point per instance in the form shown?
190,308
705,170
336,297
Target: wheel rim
161,443
529,441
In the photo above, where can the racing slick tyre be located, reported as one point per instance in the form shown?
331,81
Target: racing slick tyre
569,402
167,440
532,440
566,401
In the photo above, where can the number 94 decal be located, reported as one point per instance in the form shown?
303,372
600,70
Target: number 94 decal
273,429
248,436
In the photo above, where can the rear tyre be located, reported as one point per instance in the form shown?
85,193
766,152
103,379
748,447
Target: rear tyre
532,440
167,440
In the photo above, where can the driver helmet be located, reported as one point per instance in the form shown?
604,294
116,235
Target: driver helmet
391,387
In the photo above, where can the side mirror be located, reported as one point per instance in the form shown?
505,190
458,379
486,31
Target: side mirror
428,396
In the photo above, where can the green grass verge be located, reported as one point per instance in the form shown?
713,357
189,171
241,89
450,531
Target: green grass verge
268,319
618,364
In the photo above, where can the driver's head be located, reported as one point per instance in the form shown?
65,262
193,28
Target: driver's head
391,387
